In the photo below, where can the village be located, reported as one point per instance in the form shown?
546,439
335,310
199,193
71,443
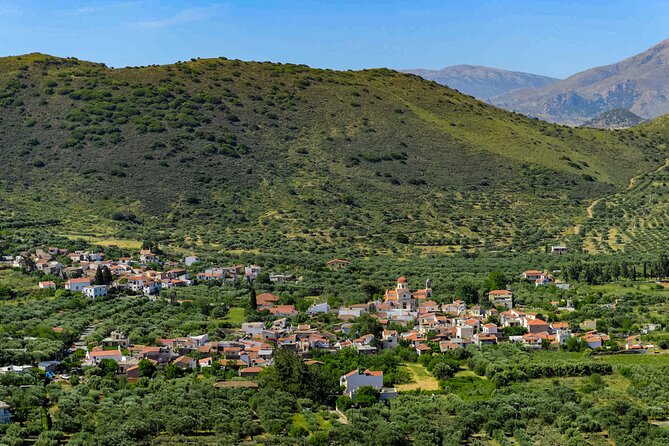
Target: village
408,317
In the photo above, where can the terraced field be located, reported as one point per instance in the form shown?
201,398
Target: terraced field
633,220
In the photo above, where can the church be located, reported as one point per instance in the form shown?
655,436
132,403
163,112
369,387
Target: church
406,298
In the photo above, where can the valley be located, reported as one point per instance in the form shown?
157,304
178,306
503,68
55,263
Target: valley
227,252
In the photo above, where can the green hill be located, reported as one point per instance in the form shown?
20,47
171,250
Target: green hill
248,155
636,218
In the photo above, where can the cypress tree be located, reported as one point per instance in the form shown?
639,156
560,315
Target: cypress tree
254,300
99,279
106,276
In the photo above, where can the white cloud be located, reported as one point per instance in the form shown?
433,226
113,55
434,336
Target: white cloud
184,16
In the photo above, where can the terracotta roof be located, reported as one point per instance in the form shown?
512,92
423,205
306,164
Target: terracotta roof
500,293
182,360
536,322
104,353
486,337
267,297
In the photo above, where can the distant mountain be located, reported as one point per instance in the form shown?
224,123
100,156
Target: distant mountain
483,82
639,84
615,119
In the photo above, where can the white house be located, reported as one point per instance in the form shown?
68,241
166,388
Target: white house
457,307
151,288
558,250
200,340
531,275
465,331
353,311
355,379
190,260
276,278
136,283
490,328
18,369
501,298
146,256
319,308
389,339
94,357
252,271
253,328
94,291
77,284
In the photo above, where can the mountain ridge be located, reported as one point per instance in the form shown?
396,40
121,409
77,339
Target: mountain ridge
639,83
480,81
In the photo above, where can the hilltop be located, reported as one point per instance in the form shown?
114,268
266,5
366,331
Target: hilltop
483,82
638,84
248,155
618,118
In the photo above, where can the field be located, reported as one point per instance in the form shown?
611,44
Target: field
469,387
421,379
105,241
16,281
236,316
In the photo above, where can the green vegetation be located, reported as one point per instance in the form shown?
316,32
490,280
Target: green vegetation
235,316
420,379
289,167
268,156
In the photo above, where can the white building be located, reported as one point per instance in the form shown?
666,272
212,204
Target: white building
319,308
252,271
353,311
389,339
18,369
151,288
200,340
190,260
501,298
558,250
253,328
465,331
355,379
77,284
94,291
276,278
136,283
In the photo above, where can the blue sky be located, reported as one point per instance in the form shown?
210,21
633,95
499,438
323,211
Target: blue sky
549,37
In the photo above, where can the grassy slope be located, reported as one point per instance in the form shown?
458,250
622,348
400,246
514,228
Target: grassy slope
636,218
218,151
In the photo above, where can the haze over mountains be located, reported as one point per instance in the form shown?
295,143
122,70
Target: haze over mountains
639,84
483,82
